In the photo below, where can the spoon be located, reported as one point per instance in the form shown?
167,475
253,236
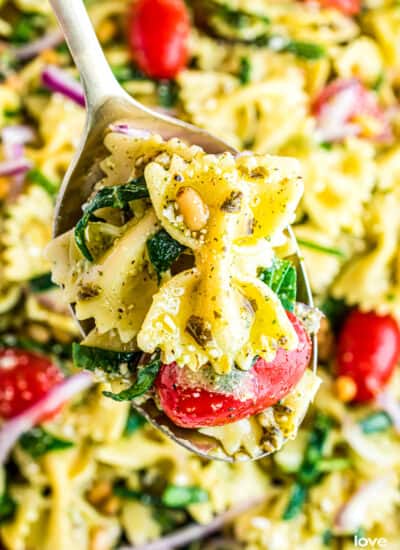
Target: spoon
107,102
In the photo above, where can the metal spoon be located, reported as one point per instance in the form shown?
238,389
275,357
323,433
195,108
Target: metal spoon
107,103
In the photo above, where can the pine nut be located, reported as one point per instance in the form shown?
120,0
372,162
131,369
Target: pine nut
192,207
345,388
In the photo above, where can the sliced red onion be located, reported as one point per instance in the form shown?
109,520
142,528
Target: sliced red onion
333,116
14,167
12,429
14,138
388,402
46,42
195,532
59,81
353,513
126,130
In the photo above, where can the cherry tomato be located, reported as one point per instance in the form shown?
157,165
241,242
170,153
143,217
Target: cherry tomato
368,351
25,378
194,407
158,32
348,7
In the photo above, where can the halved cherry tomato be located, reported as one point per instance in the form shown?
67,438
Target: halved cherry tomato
368,351
25,378
158,32
194,407
348,7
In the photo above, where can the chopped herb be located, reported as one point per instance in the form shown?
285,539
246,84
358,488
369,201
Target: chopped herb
321,248
110,362
126,73
11,113
335,310
163,251
38,442
233,203
41,283
199,330
117,196
145,379
245,70
281,277
168,93
38,178
8,507
176,496
309,472
376,422
377,85
134,422
327,145
296,501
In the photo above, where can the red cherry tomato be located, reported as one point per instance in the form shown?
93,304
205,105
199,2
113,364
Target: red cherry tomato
368,351
348,7
25,378
194,407
158,32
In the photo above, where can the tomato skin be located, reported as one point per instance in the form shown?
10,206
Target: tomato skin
368,351
25,378
158,32
348,7
194,407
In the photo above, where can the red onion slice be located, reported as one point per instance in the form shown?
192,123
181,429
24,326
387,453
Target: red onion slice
12,429
59,81
14,138
195,532
15,167
46,42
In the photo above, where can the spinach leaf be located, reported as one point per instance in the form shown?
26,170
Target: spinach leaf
376,422
131,494
327,537
134,422
38,178
176,496
126,73
90,358
27,28
41,283
116,196
167,93
245,70
281,277
145,379
163,250
305,50
309,472
60,351
320,248
237,18
296,501
8,507
169,518
335,310
38,442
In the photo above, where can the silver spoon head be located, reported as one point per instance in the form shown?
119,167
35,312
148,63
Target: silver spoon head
84,172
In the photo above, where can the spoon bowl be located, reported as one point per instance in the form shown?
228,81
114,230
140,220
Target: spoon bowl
107,103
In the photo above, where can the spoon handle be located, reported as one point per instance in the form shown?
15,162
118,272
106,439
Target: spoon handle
98,80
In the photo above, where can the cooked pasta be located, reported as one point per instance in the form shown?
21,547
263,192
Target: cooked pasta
255,77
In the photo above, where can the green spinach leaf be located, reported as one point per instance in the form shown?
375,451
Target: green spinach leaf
376,422
41,283
245,70
8,507
91,358
145,379
168,93
163,251
38,178
309,472
281,277
116,196
134,422
38,442
297,499
176,496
